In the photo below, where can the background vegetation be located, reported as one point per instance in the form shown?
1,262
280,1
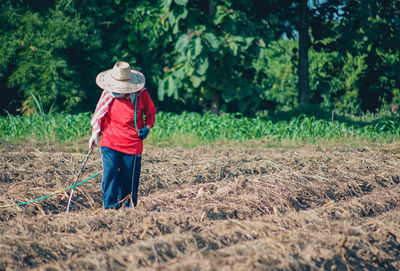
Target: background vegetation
201,56
191,129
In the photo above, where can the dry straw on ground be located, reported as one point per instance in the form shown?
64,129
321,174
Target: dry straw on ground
208,208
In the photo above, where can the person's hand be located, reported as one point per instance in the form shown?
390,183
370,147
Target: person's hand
143,132
94,140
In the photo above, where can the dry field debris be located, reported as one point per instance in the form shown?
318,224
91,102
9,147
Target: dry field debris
207,208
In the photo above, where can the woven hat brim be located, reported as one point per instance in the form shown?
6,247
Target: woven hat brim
105,81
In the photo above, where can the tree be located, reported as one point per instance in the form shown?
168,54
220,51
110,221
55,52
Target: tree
373,28
304,46
43,55
212,64
365,73
234,56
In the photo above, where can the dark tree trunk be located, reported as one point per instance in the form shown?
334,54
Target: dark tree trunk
304,46
216,96
215,102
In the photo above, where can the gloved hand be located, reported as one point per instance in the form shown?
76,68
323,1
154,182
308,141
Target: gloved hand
94,140
143,132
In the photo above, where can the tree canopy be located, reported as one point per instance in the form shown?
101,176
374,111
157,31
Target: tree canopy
231,56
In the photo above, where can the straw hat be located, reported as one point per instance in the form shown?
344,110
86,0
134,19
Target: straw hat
121,79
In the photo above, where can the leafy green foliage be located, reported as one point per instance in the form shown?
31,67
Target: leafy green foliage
365,39
279,82
194,129
204,56
213,53
45,128
38,48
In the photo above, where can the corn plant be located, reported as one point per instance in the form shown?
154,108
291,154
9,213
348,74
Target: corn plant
193,129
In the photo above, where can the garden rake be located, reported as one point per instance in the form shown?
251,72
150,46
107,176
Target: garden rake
79,174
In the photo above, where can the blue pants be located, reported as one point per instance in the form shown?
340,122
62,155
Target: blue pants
121,173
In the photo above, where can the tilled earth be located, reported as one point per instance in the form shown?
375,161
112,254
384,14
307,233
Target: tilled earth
207,208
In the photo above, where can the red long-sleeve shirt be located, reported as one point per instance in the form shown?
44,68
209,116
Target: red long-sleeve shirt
118,126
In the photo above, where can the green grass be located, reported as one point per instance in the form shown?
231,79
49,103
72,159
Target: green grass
191,129
44,128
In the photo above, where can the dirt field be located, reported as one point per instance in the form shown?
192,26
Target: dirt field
207,208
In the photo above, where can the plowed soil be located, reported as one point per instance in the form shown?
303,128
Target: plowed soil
207,208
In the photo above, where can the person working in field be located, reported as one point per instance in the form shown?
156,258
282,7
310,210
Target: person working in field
123,117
